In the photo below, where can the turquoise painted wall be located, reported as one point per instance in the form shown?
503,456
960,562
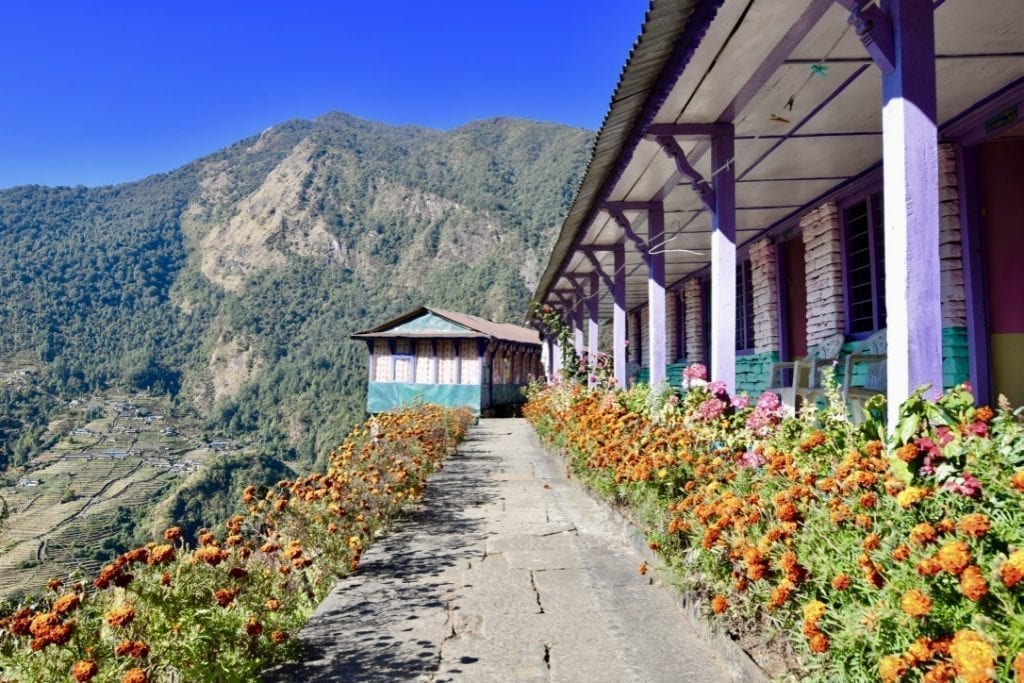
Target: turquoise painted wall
956,366
752,372
383,396
428,322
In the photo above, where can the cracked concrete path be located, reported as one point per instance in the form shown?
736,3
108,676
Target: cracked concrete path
509,572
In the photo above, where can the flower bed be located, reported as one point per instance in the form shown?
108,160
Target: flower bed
867,557
230,607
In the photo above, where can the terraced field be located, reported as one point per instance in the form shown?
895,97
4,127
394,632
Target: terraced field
64,503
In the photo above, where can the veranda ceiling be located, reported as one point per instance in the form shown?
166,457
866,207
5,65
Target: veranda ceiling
806,104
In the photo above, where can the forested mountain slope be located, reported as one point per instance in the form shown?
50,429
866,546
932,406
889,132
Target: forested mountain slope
232,283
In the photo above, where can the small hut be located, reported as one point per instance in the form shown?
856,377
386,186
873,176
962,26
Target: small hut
453,359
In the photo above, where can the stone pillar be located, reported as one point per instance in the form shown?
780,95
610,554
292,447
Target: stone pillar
823,269
694,321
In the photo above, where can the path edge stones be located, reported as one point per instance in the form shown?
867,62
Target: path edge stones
735,657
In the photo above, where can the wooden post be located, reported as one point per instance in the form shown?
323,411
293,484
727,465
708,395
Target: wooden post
911,182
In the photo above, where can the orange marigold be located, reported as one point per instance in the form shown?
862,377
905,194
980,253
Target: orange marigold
172,534
872,541
132,648
121,616
920,651
892,668
66,603
973,584
209,554
225,596
135,676
780,594
273,604
907,452
984,414
946,525
975,525
161,554
253,628
841,582
1017,480
972,656
818,642
900,553
915,603
1018,666
719,604
1012,570
279,637
954,557
943,672
84,670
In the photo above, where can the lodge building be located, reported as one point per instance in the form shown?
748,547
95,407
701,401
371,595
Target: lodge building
774,175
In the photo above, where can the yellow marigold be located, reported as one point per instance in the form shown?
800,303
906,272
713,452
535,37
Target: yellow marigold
915,603
121,616
946,525
920,651
972,657
84,670
923,533
954,557
910,495
814,611
975,525
892,668
973,584
719,604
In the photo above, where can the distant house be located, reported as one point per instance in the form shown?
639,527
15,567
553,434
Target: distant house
453,359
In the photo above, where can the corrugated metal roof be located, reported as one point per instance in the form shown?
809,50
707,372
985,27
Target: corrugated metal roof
671,32
481,327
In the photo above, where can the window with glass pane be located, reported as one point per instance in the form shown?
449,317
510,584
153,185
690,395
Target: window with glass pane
865,265
744,306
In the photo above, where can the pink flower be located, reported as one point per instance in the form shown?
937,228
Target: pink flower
696,371
718,389
711,409
751,459
740,402
769,401
965,485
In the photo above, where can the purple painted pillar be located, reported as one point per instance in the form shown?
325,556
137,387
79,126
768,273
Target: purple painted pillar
911,182
723,261
592,328
619,331
656,292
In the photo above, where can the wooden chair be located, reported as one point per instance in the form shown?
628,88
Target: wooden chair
872,353
804,380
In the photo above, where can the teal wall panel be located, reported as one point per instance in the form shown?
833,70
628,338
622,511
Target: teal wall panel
428,322
383,396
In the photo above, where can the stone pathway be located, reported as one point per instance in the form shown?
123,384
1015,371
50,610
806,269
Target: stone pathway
509,573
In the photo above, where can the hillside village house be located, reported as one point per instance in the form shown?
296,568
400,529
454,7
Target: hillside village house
453,359
774,176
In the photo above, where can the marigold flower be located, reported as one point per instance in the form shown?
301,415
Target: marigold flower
841,582
943,672
871,542
1018,666
868,500
929,566
973,584
225,596
780,594
915,603
54,584
946,526
66,603
910,495
923,534
132,648
719,604
892,668
161,554
165,579
273,604
818,642
920,651
974,525
84,670
814,440
1012,570
900,553
209,554
42,623
907,452
253,628
814,611
972,657
135,676
173,533
121,616
279,637
984,414
1017,480
137,555
954,557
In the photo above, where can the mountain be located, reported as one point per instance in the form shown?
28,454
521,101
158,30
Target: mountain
232,283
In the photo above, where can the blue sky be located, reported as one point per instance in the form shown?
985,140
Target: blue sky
105,92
